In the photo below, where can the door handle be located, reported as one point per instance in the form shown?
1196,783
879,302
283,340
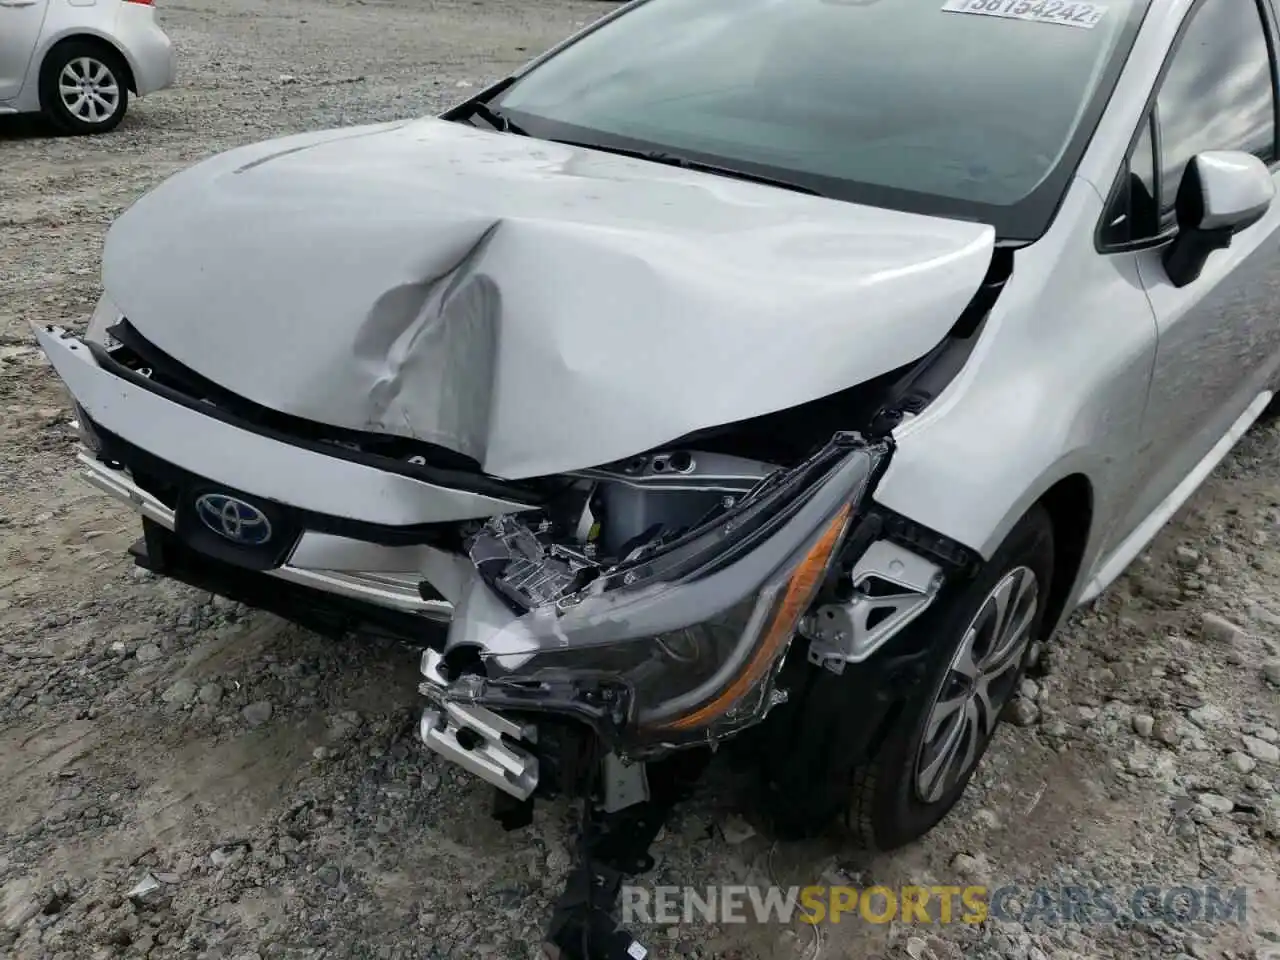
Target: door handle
17,3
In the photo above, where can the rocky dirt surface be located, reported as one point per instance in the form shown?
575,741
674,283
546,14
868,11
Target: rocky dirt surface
258,789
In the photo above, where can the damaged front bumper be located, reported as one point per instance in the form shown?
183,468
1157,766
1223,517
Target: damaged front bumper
391,590
653,642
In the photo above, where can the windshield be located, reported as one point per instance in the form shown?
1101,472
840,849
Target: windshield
947,107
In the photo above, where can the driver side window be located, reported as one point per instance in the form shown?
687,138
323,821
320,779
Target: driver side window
1218,93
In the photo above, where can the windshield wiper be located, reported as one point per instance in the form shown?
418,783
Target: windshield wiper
491,116
685,163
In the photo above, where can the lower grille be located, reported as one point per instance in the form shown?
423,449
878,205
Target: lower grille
390,592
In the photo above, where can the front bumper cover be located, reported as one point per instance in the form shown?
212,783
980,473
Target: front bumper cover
201,440
400,593
482,719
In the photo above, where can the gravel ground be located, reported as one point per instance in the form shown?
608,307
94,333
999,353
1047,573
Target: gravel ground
268,781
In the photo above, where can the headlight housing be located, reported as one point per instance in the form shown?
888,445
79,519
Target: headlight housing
681,637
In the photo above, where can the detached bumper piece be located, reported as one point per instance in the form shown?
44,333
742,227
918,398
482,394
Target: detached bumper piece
320,565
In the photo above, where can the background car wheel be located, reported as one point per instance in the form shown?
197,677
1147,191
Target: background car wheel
974,645
84,87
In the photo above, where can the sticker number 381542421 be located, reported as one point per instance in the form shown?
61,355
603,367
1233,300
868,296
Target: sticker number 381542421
1069,13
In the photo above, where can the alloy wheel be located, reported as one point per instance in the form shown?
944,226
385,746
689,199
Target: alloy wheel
89,90
978,683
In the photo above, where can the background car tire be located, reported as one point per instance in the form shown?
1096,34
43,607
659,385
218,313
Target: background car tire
101,77
817,780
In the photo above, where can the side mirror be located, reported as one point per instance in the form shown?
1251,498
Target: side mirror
1222,193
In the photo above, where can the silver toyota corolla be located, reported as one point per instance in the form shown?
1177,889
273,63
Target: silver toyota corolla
77,61
771,373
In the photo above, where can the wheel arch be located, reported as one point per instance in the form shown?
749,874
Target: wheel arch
1067,491
1070,505
87,36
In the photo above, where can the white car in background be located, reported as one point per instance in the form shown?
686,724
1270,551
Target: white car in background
77,61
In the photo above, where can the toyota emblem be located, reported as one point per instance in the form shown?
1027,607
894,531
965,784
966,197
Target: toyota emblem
233,519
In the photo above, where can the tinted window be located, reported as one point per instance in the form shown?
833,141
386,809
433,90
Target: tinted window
1142,177
1218,93
1132,213
898,102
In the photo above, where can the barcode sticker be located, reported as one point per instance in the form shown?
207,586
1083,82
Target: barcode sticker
1068,13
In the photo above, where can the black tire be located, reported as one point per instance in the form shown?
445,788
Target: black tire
882,807
1271,411
106,98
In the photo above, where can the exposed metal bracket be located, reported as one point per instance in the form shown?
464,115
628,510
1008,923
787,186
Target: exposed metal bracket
891,587
625,783
476,738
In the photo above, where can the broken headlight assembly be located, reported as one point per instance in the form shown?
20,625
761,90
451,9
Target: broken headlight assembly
658,609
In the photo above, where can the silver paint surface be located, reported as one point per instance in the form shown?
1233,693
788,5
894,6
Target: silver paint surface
1094,367
537,307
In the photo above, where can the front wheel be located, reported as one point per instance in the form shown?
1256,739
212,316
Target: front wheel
976,641
83,87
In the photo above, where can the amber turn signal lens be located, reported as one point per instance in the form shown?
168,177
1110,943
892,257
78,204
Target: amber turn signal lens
779,625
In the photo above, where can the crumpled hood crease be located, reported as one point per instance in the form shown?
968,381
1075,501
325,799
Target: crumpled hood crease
537,307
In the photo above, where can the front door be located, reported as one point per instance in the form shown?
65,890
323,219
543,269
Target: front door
1219,337
20,23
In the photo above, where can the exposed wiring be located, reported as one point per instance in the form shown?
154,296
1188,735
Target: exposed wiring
817,943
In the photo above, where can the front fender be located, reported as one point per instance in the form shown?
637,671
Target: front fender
1056,386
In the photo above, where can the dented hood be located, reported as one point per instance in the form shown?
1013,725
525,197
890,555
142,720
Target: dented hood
537,307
